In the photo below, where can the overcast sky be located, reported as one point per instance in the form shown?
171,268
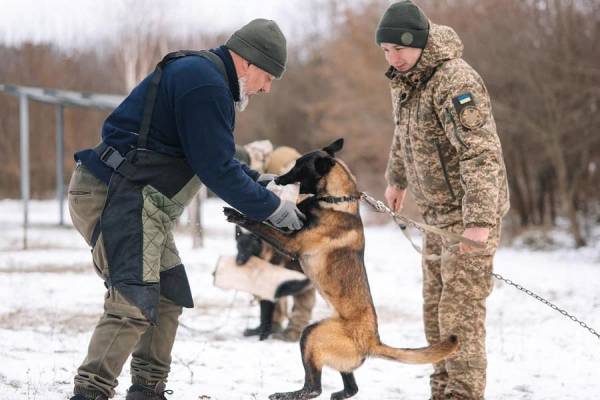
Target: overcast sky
72,23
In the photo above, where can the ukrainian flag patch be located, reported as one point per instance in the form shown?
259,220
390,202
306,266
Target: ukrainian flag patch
463,100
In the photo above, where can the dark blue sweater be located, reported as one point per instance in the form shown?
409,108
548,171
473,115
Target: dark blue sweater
194,117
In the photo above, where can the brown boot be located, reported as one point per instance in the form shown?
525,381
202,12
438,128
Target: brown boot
288,335
143,392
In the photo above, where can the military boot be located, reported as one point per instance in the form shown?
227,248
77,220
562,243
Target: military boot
143,392
275,328
89,396
266,321
455,396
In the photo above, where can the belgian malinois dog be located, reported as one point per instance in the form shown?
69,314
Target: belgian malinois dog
330,248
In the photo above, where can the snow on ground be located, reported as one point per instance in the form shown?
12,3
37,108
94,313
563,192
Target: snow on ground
50,299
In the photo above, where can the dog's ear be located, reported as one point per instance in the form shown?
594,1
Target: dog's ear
334,147
238,231
323,165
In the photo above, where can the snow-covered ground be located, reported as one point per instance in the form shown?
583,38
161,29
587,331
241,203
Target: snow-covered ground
50,299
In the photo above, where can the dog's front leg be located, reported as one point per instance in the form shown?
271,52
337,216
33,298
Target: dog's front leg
286,243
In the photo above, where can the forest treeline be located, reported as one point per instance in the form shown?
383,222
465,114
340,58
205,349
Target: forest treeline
540,60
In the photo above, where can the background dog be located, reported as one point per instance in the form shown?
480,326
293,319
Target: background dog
330,249
273,314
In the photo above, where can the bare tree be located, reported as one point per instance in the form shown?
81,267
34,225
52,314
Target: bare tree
539,58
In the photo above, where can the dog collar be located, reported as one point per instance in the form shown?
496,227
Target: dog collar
338,199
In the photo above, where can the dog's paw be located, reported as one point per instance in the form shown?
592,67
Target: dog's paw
234,216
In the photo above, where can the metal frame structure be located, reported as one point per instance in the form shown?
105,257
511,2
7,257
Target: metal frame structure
61,98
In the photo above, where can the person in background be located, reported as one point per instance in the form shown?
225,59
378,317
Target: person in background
261,156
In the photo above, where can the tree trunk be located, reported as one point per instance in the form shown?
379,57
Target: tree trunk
567,195
575,226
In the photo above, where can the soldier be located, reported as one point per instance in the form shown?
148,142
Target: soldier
446,150
173,131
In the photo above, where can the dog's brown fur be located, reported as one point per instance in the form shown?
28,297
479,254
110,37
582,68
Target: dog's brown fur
330,248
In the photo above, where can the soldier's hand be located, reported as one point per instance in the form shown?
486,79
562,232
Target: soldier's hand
287,216
477,234
394,196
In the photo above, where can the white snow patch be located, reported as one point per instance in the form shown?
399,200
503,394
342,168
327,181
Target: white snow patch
50,300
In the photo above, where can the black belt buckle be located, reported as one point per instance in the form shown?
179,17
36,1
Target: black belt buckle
111,157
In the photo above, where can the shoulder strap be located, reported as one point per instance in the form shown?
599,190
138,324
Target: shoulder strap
155,81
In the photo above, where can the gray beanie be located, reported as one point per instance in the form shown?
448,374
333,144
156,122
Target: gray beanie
262,43
405,24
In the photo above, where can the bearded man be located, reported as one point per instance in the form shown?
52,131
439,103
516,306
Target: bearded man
172,132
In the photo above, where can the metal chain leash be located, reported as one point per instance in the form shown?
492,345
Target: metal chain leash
546,302
380,207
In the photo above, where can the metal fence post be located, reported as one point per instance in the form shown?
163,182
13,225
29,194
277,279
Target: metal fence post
24,135
196,218
60,156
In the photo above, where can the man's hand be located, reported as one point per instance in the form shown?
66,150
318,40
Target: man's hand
287,216
477,234
394,197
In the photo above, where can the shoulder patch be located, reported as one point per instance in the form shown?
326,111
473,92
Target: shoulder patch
468,113
471,118
463,100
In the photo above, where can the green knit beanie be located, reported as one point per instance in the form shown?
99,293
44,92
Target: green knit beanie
261,43
403,23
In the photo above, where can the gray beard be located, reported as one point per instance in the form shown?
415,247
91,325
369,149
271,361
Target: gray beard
244,99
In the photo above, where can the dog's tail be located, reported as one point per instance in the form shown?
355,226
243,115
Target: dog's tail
424,355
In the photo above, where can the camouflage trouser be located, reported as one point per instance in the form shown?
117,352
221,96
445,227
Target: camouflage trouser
280,312
455,288
301,312
122,329
304,302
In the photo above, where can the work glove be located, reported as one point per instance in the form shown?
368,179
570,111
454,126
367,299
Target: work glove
264,179
287,216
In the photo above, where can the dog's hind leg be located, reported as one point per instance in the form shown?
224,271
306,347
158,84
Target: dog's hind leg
332,345
312,372
350,387
325,343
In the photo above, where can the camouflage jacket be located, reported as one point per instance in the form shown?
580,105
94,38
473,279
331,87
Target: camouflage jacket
445,147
